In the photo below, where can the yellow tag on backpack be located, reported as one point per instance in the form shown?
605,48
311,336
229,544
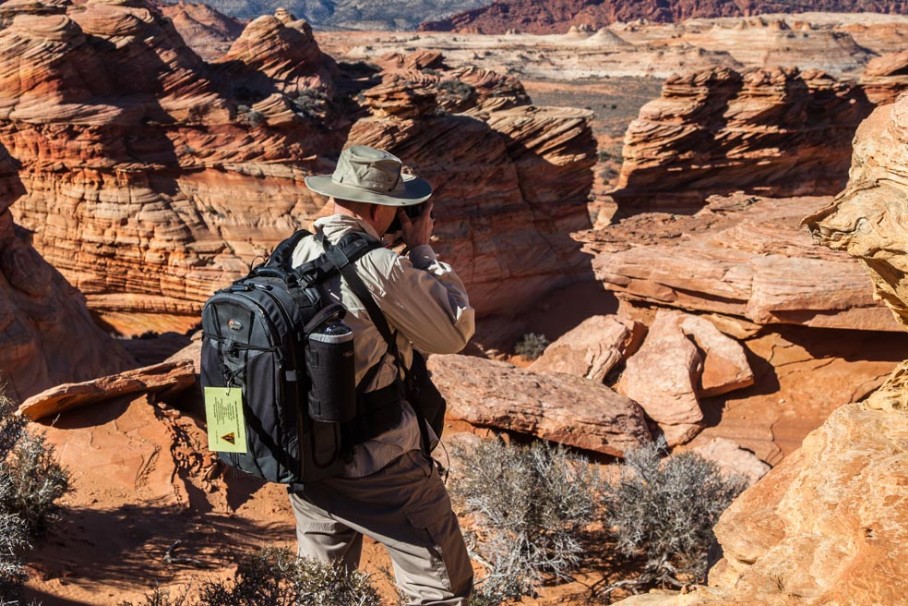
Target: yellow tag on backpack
226,423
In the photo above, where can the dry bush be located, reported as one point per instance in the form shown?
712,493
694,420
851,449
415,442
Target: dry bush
663,511
531,345
529,505
276,577
31,481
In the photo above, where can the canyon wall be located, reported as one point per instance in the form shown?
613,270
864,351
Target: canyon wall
546,17
777,132
150,177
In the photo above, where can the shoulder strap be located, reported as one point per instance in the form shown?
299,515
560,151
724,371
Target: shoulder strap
345,265
282,256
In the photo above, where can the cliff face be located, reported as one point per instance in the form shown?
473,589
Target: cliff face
776,132
47,335
151,178
546,17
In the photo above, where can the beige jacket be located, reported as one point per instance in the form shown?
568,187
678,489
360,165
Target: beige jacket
424,302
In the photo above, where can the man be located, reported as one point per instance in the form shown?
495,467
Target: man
390,489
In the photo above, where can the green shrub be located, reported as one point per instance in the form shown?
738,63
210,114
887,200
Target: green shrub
276,577
530,505
664,511
531,345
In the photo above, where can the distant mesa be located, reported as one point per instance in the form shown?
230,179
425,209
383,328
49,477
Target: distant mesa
556,17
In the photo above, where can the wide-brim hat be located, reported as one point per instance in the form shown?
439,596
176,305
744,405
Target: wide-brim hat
366,174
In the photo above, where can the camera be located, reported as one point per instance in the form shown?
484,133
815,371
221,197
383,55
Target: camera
413,211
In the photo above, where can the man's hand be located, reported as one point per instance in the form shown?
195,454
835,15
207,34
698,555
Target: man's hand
416,232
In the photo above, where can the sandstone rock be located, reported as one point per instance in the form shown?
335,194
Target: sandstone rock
47,335
167,377
520,176
551,406
205,30
886,77
744,257
152,178
591,349
725,366
718,131
868,219
680,433
663,375
733,460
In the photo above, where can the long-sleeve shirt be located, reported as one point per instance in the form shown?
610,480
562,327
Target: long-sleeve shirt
424,303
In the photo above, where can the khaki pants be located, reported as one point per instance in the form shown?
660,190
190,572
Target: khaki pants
406,508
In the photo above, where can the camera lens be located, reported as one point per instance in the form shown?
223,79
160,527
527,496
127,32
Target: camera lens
415,210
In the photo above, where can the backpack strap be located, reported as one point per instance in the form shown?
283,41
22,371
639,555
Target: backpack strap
345,265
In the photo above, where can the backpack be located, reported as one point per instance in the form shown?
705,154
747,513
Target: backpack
257,337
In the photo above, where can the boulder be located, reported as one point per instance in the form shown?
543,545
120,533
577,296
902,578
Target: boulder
592,349
663,375
552,406
725,366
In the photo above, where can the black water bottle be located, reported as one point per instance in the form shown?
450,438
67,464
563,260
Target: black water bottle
329,362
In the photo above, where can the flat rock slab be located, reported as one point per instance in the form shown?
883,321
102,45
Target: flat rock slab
591,349
742,256
553,406
171,377
663,375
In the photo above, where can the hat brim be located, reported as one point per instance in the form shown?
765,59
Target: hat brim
416,190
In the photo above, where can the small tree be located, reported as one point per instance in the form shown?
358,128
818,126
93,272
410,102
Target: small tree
530,505
664,511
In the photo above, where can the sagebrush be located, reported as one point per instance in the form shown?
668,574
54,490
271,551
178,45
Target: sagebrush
31,483
277,577
664,510
530,505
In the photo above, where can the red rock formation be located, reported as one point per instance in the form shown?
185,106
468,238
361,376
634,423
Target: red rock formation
742,257
886,77
775,132
829,525
151,178
546,17
47,335
208,32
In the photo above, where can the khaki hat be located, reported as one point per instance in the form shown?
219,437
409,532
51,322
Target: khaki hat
366,174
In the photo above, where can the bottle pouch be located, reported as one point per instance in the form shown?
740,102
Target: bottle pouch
332,374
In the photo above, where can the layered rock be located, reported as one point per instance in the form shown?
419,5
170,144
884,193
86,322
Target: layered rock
776,132
544,16
552,406
828,525
152,178
47,335
868,220
886,77
208,32
743,257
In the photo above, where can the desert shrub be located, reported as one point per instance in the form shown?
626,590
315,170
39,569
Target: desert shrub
278,578
529,505
664,511
31,481
531,345
311,103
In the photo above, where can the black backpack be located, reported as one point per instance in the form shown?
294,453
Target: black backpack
255,335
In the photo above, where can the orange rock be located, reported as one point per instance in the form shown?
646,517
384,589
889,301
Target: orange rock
552,406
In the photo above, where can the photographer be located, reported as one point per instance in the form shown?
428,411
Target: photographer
390,489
